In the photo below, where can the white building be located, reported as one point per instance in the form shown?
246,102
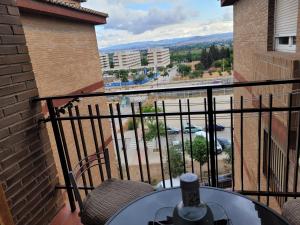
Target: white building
104,61
158,57
127,60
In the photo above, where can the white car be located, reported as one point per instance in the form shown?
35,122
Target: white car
175,183
204,134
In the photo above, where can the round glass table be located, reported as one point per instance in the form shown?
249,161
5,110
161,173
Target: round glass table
239,209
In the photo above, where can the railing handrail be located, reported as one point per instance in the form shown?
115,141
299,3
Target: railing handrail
173,89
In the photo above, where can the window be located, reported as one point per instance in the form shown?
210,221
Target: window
286,18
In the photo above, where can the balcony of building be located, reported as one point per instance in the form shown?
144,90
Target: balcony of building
154,136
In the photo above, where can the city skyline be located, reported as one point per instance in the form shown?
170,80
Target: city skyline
139,20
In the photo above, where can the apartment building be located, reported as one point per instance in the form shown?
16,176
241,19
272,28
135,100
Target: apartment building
266,47
158,57
104,61
127,60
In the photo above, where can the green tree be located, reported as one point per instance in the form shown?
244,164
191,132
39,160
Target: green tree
184,70
131,125
189,57
199,148
206,59
144,61
199,66
176,162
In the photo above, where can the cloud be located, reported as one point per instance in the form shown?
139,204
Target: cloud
138,21
175,19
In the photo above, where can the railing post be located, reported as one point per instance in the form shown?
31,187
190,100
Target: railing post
61,153
211,136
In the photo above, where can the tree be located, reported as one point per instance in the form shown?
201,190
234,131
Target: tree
189,57
175,161
199,148
144,61
124,77
184,69
206,59
199,66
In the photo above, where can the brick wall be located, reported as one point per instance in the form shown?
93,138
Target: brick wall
65,62
255,60
27,170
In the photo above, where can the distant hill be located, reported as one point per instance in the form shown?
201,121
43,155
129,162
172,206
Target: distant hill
175,42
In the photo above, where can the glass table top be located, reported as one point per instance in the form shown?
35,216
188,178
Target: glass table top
240,210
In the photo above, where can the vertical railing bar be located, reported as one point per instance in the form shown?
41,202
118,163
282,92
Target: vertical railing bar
137,141
269,148
297,156
242,143
259,147
159,145
84,145
190,134
77,147
207,143
216,146
123,141
167,143
63,138
59,145
95,140
182,136
287,162
145,143
232,144
111,110
211,136
100,130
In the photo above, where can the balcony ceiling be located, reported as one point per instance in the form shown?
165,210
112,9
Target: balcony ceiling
228,2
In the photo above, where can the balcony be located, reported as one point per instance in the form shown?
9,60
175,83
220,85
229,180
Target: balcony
153,136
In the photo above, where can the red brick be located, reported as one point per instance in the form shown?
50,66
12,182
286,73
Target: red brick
12,89
8,50
22,77
4,133
5,80
5,29
9,69
14,59
13,39
21,106
26,67
12,10
8,2
27,94
8,19
7,100
22,49
7,121
3,9
17,29
31,84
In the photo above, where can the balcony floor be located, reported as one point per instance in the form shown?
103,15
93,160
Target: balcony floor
66,217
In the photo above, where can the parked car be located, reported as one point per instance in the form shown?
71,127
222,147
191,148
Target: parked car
192,128
224,181
218,127
175,183
172,130
204,134
225,143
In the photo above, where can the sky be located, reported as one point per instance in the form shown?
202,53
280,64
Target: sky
151,20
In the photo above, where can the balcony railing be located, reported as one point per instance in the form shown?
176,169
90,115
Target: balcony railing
261,125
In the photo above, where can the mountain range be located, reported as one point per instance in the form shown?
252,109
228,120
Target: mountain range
175,42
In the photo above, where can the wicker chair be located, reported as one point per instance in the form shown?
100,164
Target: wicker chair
110,196
291,211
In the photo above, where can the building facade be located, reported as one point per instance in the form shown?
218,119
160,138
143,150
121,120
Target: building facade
158,57
266,47
104,61
127,60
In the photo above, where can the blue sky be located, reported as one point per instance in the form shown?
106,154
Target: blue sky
142,20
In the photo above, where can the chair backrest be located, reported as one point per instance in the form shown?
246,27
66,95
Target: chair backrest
100,158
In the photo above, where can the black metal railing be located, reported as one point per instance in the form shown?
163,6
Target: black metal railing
254,124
